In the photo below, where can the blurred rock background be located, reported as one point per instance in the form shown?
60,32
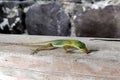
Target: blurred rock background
82,18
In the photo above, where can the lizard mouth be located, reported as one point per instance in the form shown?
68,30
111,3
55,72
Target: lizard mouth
84,51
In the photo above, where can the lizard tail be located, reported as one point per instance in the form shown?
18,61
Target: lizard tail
25,44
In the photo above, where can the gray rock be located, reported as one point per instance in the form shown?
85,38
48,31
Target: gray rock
99,23
47,19
11,18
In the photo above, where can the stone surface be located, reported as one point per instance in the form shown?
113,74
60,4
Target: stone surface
16,63
63,7
11,18
47,19
98,23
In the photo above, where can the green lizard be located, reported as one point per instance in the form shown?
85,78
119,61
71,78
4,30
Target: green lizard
48,45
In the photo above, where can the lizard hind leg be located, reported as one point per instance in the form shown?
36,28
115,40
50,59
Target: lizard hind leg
41,48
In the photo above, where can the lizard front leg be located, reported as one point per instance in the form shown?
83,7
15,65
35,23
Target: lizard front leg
66,49
45,47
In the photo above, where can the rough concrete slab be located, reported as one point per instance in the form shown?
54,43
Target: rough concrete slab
17,63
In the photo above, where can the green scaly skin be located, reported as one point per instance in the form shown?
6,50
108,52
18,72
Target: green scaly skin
65,44
60,43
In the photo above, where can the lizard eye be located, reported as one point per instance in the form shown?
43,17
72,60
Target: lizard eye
82,45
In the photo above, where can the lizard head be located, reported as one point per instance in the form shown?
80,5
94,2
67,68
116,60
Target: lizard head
81,46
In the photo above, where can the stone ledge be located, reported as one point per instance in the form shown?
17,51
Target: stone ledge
16,63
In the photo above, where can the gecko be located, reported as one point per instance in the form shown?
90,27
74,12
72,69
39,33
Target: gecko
53,44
